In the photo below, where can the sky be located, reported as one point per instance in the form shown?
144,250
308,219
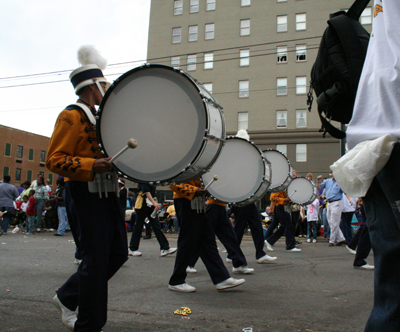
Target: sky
39,43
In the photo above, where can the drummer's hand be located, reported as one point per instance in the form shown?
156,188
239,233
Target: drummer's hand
157,206
319,178
200,192
287,200
102,165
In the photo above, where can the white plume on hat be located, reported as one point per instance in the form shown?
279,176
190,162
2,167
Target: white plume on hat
88,55
242,133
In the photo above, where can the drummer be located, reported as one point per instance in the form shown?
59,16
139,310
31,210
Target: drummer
97,224
196,239
280,201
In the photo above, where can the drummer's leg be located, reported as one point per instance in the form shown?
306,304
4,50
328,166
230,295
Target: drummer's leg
218,218
209,253
137,230
240,222
155,224
188,240
256,230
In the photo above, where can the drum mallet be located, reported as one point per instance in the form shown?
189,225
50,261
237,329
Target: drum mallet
132,143
215,178
294,191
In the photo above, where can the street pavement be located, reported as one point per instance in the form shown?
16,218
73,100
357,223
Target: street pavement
314,290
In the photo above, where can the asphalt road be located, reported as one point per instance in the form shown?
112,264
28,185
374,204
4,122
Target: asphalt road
314,290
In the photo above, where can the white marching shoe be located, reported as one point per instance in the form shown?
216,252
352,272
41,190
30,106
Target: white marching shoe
229,283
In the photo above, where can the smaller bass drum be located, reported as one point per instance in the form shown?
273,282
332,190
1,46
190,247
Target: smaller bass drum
302,191
282,170
244,174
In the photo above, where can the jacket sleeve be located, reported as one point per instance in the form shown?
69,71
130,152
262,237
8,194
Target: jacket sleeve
184,190
61,155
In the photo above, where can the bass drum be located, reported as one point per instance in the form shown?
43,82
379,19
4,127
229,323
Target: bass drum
302,191
243,173
179,126
282,170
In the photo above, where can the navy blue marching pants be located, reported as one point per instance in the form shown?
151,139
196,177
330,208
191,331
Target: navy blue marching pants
249,215
286,228
223,228
196,239
98,227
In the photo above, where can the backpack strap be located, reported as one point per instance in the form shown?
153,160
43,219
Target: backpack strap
357,8
87,111
323,100
352,46
331,129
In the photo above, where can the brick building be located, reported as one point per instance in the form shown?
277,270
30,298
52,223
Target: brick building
23,156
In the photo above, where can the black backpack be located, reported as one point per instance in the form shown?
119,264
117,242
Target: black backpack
337,68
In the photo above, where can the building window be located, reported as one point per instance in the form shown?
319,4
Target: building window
20,150
244,27
191,62
301,119
193,33
281,86
245,3
194,6
175,61
243,89
244,58
282,148
176,35
300,21
301,83
17,174
208,60
366,16
51,179
42,156
301,152
281,119
30,155
178,6
29,175
243,120
208,86
281,23
210,31
7,151
301,52
210,5
281,52
6,170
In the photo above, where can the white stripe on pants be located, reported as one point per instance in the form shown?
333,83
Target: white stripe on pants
334,213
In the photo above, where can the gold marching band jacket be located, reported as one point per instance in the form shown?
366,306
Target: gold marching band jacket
188,189
73,147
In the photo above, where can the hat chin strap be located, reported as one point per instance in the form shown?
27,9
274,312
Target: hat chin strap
100,87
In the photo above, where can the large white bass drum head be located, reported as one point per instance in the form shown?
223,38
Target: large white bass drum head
302,191
282,171
178,126
243,173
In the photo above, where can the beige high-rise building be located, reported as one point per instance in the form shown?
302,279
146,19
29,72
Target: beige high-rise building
255,56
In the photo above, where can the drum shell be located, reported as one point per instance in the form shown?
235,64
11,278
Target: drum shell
229,167
207,139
